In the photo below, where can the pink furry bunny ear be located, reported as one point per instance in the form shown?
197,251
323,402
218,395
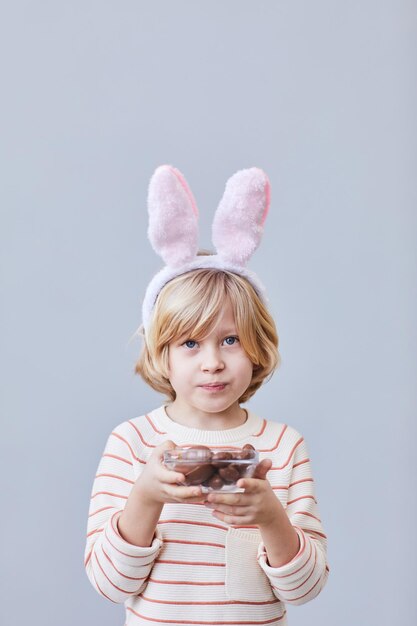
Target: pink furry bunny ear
238,222
173,230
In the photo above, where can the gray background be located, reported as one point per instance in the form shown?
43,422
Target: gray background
322,95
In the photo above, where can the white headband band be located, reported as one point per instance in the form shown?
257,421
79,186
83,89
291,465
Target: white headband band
173,230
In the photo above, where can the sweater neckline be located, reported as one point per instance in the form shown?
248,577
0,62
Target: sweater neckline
186,434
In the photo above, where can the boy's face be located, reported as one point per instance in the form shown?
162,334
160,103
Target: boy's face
210,375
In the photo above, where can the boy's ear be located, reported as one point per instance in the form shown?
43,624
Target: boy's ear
173,214
238,222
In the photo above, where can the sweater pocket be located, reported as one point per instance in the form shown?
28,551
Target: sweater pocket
245,579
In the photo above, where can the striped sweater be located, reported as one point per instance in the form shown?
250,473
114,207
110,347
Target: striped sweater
198,569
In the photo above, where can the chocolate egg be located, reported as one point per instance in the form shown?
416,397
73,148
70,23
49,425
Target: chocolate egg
229,474
198,454
219,459
215,470
199,474
241,455
247,452
242,468
215,482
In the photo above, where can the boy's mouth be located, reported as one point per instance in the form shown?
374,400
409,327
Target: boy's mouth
213,386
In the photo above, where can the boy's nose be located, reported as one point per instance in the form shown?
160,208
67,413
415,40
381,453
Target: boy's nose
211,361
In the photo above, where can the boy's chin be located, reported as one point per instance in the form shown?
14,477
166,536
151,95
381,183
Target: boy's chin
216,405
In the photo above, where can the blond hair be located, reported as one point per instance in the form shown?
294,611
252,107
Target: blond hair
189,305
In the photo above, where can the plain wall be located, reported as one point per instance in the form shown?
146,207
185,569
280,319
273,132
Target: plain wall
322,95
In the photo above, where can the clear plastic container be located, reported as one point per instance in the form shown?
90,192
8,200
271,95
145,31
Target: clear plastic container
213,469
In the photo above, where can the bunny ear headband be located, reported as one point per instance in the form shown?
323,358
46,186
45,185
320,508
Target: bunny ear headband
173,231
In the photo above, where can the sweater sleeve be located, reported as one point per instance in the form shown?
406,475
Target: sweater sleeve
301,579
115,568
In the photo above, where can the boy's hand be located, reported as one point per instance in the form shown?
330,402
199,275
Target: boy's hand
257,505
158,485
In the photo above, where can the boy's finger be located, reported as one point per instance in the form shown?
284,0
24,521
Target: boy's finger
169,476
262,469
167,445
250,485
184,492
164,446
226,498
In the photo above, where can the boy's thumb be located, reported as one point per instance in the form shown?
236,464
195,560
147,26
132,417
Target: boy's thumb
166,445
262,469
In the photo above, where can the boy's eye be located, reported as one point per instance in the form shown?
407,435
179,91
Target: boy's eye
231,340
190,343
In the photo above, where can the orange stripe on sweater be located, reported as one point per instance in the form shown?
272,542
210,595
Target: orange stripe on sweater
183,521
301,498
153,426
262,429
105,508
218,603
119,458
182,582
276,443
316,532
129,446
300,568
98,530
305,513
213,446
209,564
108,493
88,558
279,467
132,556
303,480
101,591
110,581
309,591
132,482
304,581
118,571
301,462
203,623
146,443
195,543
115,530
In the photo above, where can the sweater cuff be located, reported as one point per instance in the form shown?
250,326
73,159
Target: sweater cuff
128,553
294,569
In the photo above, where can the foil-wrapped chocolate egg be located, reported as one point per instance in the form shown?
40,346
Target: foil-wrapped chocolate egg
198,454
